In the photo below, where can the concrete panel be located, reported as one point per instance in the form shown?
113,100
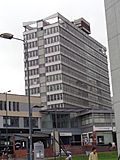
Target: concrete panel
43,89
113,28
42,70
111,19
41,42
21,123
41,51
110,3
114,53
42,79
1,122
41,60
116,84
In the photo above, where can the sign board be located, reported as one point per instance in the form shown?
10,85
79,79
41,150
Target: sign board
65,134
103,129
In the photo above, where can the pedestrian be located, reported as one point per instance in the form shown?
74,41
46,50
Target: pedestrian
93,155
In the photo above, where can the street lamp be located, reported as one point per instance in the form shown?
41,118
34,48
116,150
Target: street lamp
6,120
11,36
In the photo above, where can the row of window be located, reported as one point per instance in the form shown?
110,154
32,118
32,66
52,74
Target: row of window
60,105
30,36
75,91
33,81
82,37
52,40
54,77
80,45
33,91
55,97
77,74
86,119
32,44
53,68
32,63
32,54
84,57
79,61
14,122
105,118
32,72
54,87
79,92
51,49
51,30
74,100
12,106
53,58
75,48
86,86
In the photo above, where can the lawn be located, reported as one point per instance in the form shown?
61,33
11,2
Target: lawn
101,156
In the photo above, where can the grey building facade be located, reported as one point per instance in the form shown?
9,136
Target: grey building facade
68,68
112,10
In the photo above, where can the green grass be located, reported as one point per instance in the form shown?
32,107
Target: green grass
101,156
108,156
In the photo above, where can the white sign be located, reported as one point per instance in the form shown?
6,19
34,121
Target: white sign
65,134
103,128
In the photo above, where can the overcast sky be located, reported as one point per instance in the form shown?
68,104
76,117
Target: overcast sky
14,12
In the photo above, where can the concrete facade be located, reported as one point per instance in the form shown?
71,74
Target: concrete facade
112,10
17,113
68,70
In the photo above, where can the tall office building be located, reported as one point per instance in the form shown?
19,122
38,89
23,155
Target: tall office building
67,67
112,9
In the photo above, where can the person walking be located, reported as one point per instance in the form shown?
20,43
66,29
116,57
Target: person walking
93,155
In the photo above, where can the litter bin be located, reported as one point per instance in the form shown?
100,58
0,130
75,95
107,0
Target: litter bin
38,150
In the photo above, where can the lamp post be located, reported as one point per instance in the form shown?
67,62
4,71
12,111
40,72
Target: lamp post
11,36
6,120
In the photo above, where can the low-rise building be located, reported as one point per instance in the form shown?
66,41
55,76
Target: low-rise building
14,118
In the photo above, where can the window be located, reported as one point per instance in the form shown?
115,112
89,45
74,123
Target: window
54,87
53,68
5,105
32,44
35,90
55,97
87,119
52,40
33,62
51,49
53,58
32,72
11,121
51,30
54,77
26,122
34,122
1,103
9,106
100,139
15,106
